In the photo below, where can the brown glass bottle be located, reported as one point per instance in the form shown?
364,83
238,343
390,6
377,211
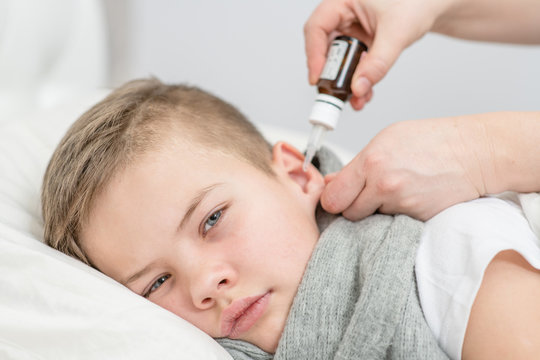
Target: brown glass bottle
343,56
334,87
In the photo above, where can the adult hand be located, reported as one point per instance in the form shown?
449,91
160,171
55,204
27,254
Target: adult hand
389,26
414,167
386,26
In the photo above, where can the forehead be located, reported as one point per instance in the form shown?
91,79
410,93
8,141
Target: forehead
172,159
176,165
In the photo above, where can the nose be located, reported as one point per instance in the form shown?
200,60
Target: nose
210,285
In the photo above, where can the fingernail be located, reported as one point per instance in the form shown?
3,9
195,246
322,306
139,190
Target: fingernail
329,177
362,86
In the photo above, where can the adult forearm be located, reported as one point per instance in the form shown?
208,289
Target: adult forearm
514,21
502,150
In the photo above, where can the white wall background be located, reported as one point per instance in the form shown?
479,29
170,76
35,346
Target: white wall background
252,54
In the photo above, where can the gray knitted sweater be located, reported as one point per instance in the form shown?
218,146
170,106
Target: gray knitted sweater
358,297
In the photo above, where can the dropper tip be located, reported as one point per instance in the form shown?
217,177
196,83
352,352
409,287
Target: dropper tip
305,165
310,153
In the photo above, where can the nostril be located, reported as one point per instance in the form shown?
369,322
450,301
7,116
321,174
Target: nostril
206,301
222,282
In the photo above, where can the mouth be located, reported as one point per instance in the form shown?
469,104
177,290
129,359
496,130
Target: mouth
242,314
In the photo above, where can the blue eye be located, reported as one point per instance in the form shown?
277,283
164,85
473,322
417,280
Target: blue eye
157,284
211,221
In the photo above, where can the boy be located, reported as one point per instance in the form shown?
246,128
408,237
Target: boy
174,194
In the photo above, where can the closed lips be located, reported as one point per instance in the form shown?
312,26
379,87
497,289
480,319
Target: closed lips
242,314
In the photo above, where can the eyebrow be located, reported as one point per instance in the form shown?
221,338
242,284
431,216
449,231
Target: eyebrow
138,274
197,199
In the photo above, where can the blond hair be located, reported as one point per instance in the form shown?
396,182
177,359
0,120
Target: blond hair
129,122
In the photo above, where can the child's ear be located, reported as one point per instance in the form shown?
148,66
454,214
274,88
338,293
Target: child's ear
287,162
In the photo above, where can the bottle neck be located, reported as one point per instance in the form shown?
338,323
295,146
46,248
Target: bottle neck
326,111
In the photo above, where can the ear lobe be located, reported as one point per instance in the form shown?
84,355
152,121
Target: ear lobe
287,162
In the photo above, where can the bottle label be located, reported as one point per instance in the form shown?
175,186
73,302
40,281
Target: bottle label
337,51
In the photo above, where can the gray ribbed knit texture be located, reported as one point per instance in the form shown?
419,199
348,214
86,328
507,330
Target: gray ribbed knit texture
357,298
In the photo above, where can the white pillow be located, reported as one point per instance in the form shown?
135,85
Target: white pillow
55,307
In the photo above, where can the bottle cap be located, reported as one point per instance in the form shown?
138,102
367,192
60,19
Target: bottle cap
326,111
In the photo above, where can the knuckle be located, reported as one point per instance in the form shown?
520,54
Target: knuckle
373,161
388,186
407,204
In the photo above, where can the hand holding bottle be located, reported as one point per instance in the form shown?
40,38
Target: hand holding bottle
390,26
386,26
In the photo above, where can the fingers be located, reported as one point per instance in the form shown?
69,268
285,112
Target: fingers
329,177
365,204
317,30
342,189
358,103
389,31
345,193
386,48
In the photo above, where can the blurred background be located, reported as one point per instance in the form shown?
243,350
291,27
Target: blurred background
251,53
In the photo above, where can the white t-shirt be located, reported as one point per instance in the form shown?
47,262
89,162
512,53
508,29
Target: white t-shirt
456,247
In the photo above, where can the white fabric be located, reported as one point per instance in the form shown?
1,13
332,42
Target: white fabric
530,205
531,208
456,247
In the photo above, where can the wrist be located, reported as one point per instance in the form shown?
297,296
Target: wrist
511,141
496,152
449,15
475,153
492,158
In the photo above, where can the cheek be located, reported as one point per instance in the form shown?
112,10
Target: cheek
272,234
281,246
175,300
179,304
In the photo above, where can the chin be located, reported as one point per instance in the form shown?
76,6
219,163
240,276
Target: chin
267,338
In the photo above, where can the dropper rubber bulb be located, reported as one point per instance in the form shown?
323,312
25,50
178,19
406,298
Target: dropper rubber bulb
314,143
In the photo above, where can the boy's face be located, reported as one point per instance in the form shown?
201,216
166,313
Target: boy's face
209,237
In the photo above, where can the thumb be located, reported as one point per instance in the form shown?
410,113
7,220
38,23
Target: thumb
343,187
328,178
387,45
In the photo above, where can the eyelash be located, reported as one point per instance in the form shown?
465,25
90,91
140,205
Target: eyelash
220,212
161,280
